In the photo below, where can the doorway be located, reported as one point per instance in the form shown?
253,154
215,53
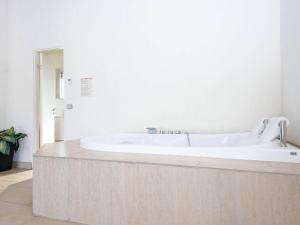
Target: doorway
51,96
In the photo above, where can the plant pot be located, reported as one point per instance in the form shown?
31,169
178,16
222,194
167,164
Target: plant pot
6,161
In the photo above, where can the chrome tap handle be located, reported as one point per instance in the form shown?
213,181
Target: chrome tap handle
151,130
282,133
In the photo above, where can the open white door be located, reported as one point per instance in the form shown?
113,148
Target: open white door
51,104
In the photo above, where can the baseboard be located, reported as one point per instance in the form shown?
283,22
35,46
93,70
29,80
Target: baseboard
22,165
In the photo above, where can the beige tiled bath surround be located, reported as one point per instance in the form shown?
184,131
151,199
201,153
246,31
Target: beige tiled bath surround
16,200
136,189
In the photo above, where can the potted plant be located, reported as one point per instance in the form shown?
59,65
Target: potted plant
9,144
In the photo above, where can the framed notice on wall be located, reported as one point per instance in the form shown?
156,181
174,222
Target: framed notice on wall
86,86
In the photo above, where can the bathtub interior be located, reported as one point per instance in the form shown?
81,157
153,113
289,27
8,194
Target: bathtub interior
260,136
172,140
224,140
243,146
179,140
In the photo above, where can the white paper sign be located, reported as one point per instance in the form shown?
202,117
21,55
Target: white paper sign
86,86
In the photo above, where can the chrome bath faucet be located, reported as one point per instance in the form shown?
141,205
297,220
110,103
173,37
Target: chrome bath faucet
282,133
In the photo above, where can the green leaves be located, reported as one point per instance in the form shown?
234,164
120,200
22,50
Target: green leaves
10,131
19,136
4,148
9,138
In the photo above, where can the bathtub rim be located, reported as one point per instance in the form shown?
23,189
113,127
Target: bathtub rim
71,150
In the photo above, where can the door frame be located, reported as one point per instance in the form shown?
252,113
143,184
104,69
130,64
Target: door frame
36,96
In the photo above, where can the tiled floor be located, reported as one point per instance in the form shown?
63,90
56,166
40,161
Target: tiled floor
16,200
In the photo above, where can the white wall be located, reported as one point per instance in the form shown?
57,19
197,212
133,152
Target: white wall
4,47
208,66
290,60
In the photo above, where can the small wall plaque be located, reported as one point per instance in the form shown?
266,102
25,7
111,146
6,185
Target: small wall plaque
86,86
69,106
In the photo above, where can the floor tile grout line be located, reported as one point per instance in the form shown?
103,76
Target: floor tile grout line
15,203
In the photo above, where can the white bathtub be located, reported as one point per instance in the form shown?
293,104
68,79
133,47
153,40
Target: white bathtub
227,146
